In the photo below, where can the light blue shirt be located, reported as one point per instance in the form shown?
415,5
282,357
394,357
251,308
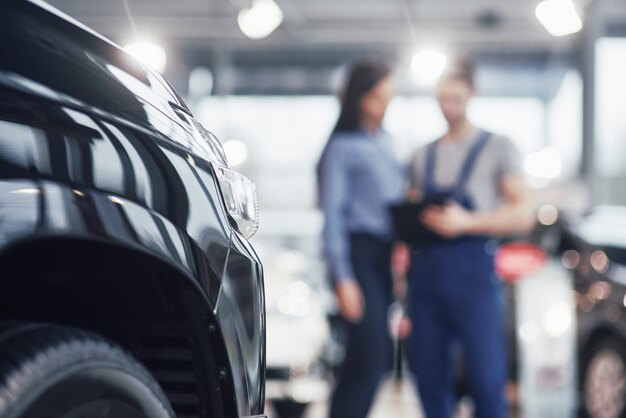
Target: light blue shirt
359,178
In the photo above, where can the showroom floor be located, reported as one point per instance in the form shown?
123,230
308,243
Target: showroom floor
393,400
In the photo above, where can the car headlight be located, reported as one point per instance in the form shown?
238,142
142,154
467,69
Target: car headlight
211,146
241,200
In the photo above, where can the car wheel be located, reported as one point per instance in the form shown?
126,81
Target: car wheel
57,372
289,409
604,380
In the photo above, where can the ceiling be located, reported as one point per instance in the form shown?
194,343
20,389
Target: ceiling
318,35
482,24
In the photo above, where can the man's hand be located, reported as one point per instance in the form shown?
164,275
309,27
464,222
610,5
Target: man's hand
449,221
350,299
400,263
400,259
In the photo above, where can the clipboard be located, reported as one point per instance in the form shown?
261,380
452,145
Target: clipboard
406,218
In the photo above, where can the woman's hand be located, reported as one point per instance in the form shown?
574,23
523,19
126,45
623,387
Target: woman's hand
449,221
350,299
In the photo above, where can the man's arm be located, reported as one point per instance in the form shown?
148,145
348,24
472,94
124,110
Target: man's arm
513,217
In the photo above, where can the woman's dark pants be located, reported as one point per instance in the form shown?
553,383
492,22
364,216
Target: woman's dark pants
368,351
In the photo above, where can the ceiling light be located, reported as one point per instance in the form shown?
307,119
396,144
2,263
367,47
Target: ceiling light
559,17
261,19
149,54
427,66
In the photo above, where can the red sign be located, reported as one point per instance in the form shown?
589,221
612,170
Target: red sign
518,260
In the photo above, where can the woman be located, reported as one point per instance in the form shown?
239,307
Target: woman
359,177
473,186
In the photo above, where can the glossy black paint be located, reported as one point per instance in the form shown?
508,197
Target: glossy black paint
98,152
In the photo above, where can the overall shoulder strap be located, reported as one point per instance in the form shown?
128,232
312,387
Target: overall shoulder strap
470,161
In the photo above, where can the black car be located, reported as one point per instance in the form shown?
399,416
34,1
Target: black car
127,285
593,247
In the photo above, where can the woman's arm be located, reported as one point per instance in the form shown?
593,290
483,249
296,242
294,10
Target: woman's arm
334,194
334,197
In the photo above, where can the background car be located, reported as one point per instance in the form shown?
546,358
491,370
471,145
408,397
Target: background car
594,248
591,250
127,287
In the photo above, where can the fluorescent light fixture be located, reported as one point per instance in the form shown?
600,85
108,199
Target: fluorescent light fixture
427,66
260,20
559,17
149,54
236,152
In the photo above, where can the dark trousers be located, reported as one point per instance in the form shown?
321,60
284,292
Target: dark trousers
368,350
456,305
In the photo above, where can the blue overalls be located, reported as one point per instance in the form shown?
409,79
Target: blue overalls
455,300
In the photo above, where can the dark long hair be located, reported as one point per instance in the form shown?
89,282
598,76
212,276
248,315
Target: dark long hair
363,76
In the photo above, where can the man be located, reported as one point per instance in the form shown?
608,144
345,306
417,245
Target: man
473,188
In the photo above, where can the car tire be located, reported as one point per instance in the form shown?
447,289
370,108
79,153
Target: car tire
58,372
289,409
603,380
